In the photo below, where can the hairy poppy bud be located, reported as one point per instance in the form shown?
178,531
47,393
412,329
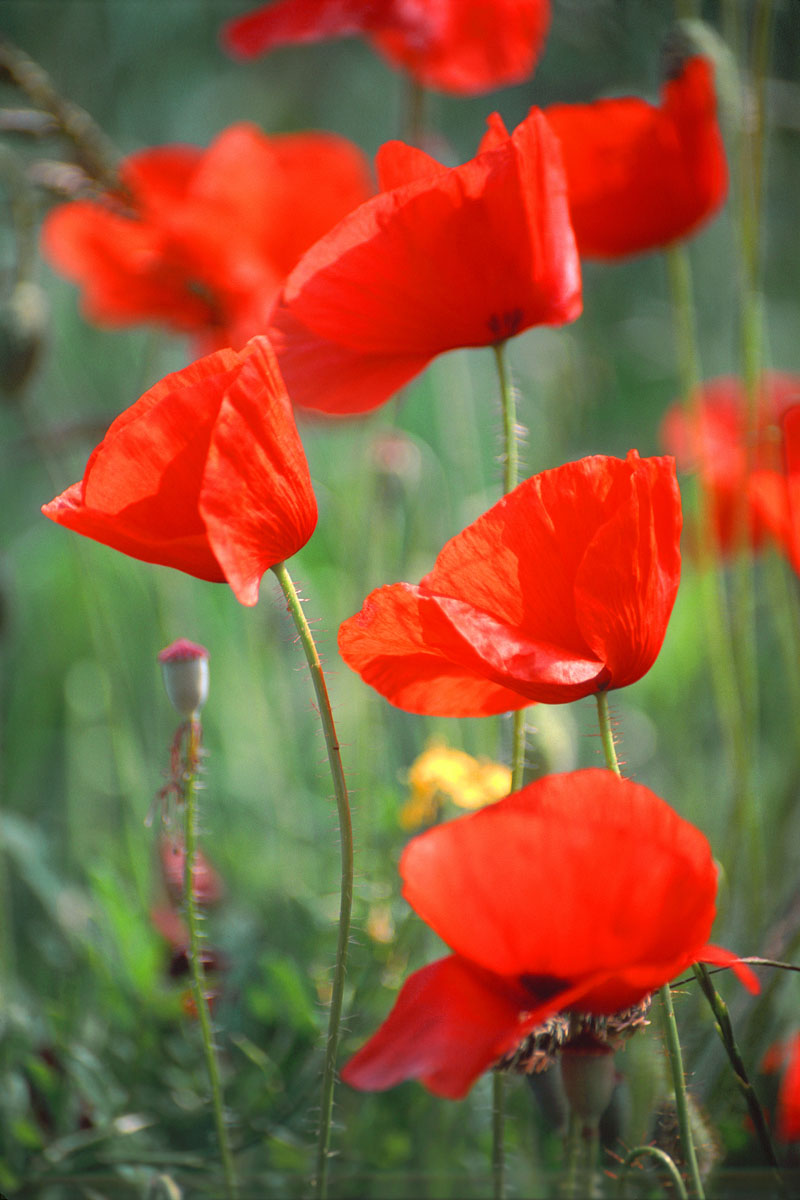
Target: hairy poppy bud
184,666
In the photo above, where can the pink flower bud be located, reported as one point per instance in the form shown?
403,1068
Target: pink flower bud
185,669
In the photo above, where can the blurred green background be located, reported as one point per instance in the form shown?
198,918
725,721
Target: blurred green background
103,1089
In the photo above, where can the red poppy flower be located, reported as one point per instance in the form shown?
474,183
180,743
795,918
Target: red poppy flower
787,1056
581,892
464,46
714,442
205,473
562,589
775,495
466,256
641,177
201,240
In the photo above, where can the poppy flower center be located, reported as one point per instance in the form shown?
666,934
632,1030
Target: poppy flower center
505,325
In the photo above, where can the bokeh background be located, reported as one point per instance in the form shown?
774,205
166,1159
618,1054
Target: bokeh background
102,1086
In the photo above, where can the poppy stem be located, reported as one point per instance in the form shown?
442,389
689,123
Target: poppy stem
498,1135
607,733
510,476
669,1024
661,1157
508,403
669,1027
191,762
415,111
346,893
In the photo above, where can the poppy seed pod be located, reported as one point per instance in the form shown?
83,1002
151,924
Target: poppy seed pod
184,666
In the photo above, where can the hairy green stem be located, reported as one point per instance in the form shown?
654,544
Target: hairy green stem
660,1157
509,407
346,893
195,959
669,1027
669,1024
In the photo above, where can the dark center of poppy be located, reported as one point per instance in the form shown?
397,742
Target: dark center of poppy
543,987
505,325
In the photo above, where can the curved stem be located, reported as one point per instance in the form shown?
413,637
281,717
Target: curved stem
195,961
669,1024
346,894
661,1157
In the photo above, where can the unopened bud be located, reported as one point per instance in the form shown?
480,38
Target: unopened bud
589,1075
23,328
185,668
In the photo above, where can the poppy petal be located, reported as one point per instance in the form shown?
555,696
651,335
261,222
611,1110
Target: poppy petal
326,377
624,604
256,498
718,956
449,1023
388,644
292,21
524,887
393,277
641,177
205,473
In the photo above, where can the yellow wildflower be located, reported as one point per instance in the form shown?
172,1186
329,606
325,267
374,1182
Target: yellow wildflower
442,773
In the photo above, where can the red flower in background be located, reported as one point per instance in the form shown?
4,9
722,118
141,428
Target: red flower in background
465,46
787,1056
444,258
202,240
641,177
775,495
205,473
562,589
713,440
206,883
581,892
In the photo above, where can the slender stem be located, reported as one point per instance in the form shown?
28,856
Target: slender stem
195,960
670,1025
725,1030
669,1028
509,406
661,1157
415,114
498,1135
607,733
510,476
574,1154
346,894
